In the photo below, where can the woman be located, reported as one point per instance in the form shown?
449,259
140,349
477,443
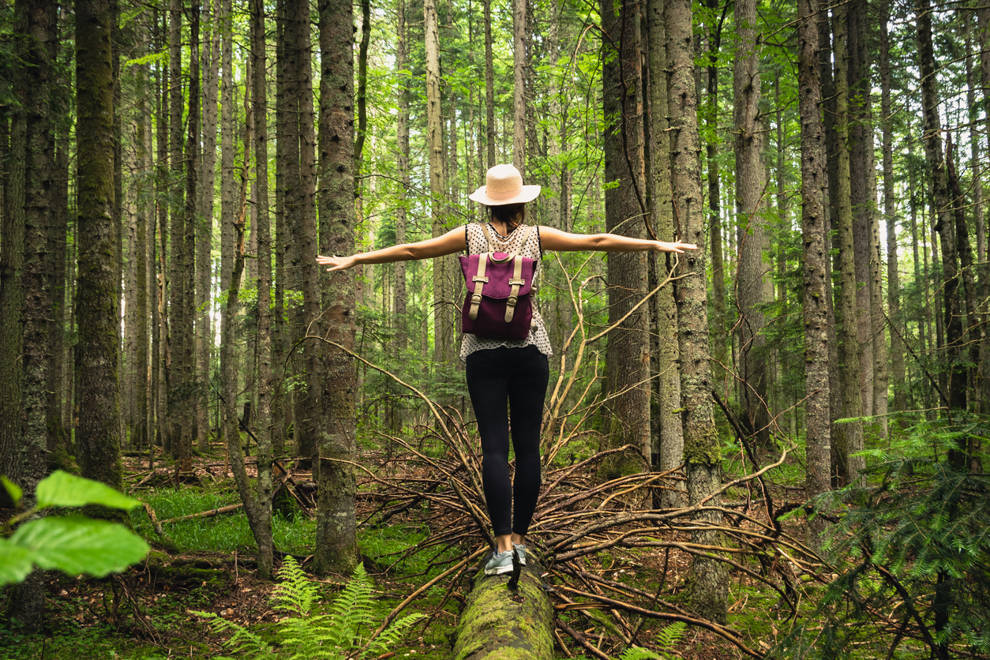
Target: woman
500,372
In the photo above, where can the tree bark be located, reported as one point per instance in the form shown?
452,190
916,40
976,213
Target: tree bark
489,86
520,61
815,260
98,434
336,543
850,465
709,587
719,320
399,337
443,328
890,215
753,280
228,186
627,357
204,223
666,354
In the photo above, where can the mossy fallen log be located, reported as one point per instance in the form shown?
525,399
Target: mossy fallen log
499,623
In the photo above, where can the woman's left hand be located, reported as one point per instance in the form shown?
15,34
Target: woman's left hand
675,246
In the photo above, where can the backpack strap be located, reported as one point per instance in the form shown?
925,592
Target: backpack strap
516,282
479,284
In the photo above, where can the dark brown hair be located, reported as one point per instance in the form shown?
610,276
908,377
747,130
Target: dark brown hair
511,215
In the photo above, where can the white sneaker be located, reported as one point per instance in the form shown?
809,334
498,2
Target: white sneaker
521,551
499,563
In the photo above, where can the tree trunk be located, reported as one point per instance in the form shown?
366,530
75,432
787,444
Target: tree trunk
262,525
667,356
753,283
489,86
941,205
520,61
495,624
709,586
627,357
228,186
850,466
98,434
336,543
399,320
204,224
890,215
815,260
443,329
719,321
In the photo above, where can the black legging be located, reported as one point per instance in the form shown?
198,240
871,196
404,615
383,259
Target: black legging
517,376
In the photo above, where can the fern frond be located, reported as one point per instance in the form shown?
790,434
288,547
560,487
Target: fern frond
242,641
639,653
295,593
353,610
390,637
671,635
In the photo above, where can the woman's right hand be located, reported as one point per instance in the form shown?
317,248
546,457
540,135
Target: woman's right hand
336,263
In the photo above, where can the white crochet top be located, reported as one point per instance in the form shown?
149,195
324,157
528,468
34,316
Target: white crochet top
531,247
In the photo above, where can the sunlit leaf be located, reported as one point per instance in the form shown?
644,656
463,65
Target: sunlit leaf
64,489
75,544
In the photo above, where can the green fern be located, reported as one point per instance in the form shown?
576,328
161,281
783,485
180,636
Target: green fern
339,633
295,593
243,641
666,639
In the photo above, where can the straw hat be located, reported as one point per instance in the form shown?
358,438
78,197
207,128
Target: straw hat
503,185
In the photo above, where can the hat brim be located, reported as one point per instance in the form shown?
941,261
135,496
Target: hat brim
527,194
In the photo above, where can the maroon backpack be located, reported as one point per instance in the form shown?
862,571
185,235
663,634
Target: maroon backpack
497,304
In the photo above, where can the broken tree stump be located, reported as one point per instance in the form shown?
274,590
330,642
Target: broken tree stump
500,624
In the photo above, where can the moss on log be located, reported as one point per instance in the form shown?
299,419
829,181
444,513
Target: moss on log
499,624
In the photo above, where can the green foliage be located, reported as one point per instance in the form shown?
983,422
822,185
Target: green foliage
345,631
73,544
915,546
666,640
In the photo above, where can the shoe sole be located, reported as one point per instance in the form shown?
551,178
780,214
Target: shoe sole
498,571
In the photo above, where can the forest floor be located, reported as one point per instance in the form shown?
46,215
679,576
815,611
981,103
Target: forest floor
146,612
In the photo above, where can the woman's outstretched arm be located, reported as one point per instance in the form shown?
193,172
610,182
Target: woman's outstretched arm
449,243
554,239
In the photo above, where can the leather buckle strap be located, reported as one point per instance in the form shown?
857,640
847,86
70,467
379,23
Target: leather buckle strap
479,284
516,282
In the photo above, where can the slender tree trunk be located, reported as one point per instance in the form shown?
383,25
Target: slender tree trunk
262,525
204,223
520,62
850,465
228,186
144,219
399,338
627,358
860,146
442,327
34,92
671,438
719,320
941,205
701,444
889,212
336,544
489,85
815,259
97,435
753,282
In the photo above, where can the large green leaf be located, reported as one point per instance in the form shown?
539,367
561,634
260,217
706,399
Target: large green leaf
64,489
75,544
15,562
